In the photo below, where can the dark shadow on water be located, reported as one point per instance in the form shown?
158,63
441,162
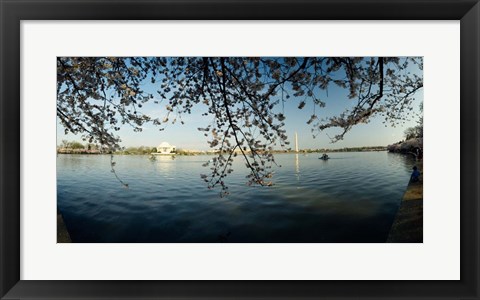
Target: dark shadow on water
223,238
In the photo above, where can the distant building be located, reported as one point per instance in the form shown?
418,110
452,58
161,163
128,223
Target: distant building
166,148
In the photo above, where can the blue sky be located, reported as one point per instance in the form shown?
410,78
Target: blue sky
188,137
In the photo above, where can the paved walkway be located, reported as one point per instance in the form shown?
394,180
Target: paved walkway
408,224
62,233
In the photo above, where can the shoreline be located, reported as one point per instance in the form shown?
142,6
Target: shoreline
210,154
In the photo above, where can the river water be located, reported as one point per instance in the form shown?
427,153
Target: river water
353,197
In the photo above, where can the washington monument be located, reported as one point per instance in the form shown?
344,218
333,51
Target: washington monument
296,142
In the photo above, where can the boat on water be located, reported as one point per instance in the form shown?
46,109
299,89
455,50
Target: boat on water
324,157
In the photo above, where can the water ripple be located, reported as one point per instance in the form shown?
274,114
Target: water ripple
352,197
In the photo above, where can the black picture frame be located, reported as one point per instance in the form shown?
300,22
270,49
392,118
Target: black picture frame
13,11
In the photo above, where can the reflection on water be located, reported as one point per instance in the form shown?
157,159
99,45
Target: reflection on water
353,197
297,167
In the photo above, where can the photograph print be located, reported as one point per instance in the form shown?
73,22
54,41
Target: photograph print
239,149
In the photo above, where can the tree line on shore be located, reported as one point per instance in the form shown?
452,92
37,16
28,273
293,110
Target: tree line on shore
413,142
75,147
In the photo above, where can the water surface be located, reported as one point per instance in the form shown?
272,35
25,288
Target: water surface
353,197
